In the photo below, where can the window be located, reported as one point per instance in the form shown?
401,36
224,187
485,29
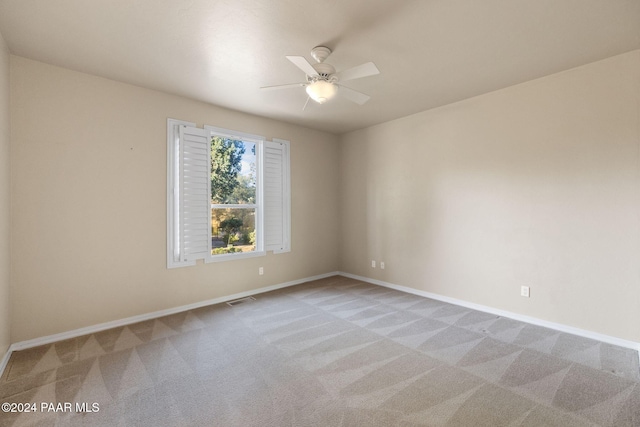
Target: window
227,194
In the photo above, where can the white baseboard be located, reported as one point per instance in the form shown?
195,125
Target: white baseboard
515,316
5,360
22,345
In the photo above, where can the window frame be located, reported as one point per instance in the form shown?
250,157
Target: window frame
258,140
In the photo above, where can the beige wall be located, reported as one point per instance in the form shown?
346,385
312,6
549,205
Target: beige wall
5,178
89,202
537,184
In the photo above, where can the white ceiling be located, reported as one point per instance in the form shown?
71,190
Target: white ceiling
430,52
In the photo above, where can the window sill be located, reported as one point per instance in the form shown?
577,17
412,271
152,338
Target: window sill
236,256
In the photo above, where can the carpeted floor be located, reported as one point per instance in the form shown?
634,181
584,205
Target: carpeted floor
334,352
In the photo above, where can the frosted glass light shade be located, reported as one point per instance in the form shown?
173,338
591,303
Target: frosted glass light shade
321,91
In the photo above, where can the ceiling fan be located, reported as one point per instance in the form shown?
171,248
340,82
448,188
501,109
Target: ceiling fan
323,81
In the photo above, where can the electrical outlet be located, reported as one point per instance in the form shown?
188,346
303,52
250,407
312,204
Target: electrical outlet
373,263
524,291
382,265
261,271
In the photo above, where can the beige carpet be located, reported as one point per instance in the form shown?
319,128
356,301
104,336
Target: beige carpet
334,352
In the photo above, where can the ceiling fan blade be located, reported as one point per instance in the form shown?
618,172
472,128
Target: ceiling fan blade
364,70
287,86
302,63
353,95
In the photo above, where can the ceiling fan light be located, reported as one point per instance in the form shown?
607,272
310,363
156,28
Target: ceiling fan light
321,91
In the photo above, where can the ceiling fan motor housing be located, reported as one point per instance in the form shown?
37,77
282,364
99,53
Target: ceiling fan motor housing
324,70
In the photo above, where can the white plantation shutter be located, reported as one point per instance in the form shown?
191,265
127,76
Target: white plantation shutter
195,190
277,217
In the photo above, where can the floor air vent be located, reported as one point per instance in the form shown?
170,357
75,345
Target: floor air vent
240,301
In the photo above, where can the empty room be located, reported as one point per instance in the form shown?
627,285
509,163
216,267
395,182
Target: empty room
320,213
